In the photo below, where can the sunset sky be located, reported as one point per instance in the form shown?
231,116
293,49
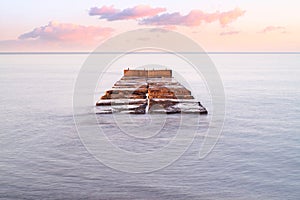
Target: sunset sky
217,25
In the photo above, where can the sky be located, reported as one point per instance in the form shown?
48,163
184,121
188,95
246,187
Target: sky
216,25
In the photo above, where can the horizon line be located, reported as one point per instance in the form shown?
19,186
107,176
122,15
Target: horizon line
87,52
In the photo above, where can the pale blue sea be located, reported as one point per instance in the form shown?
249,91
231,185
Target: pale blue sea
256,157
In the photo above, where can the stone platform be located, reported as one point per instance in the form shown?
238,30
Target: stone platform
148,91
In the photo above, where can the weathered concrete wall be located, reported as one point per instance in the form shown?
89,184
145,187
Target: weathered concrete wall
159,73
139,73
149,73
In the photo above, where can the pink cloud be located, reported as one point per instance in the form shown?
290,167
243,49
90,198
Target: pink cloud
58,36
194,18
67,32
230,16
229,33
111,14
273,28
103,11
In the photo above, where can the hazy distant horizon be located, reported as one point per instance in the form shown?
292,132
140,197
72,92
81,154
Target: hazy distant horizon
212,52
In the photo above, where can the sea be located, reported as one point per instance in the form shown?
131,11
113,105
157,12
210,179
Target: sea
256,155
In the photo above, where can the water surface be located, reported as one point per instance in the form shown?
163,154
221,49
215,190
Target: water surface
257,156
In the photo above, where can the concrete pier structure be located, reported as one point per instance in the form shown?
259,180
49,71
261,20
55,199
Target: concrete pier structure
155,90
148,73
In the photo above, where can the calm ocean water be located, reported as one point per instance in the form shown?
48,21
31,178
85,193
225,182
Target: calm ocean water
257,156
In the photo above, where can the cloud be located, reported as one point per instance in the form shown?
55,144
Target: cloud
194,18
67,32
58,36
111,14
273,28
230,16
229,33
